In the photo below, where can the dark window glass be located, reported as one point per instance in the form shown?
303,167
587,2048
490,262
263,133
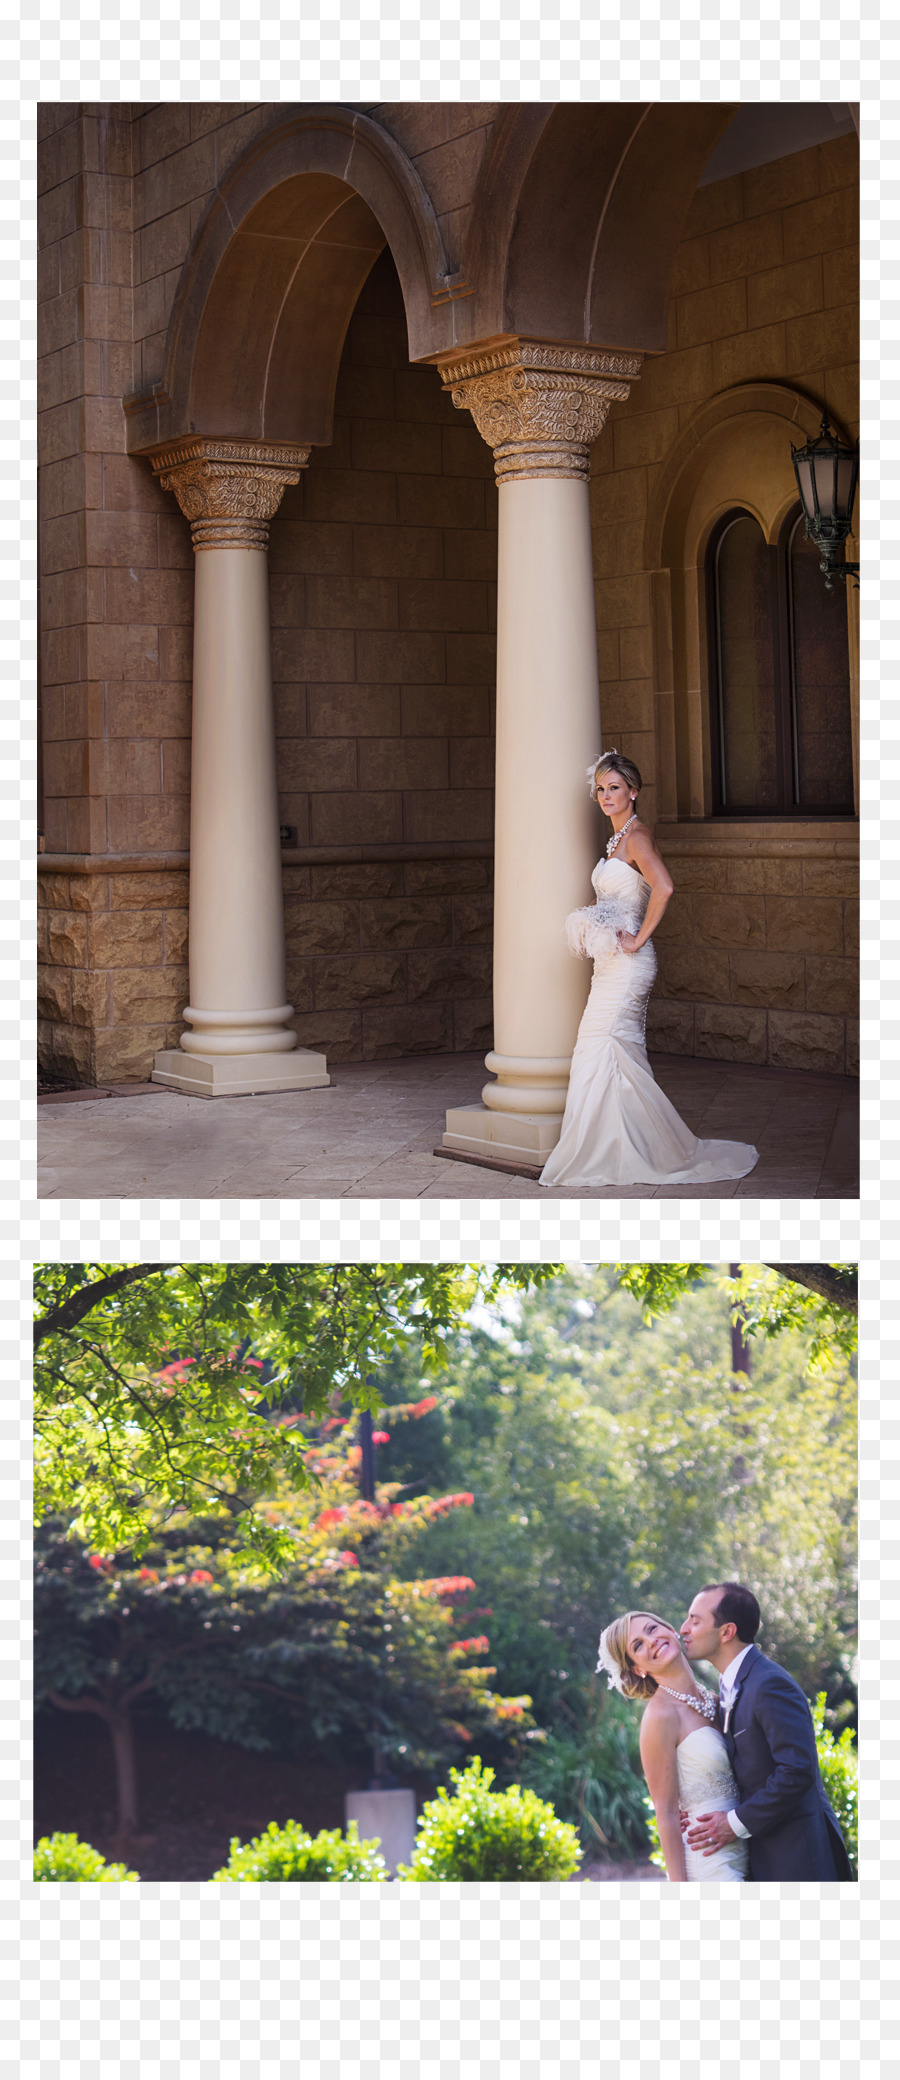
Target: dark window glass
747,667
779,674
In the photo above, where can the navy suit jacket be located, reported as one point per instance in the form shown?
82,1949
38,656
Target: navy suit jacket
781,1797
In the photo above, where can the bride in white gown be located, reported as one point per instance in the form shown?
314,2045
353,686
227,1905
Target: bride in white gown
618,1127
683,1753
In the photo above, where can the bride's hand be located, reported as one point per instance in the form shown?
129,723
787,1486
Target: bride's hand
628,942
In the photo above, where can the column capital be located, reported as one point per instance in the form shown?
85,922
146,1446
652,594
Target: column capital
539,405
228,489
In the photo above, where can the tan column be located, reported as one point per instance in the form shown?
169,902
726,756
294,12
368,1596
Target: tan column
539,406
239,1039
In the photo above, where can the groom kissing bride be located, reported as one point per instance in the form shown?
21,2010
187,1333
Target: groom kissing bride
738,1795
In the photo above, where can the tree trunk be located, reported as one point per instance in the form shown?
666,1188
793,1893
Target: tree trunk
121,1730
740,1349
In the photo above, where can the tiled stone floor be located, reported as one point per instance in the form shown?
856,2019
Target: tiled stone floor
372,1136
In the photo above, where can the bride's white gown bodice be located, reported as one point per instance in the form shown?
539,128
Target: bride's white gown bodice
619,1128
706,1785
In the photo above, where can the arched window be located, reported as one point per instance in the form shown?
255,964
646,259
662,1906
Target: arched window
779,674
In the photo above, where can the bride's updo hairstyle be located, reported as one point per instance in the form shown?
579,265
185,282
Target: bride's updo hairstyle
614,762
615,1658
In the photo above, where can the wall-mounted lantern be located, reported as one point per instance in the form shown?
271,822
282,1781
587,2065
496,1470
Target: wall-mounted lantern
827,472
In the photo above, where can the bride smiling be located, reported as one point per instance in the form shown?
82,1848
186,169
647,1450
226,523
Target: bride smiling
618,1126
684,1755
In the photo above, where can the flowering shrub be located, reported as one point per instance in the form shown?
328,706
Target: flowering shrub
477,1833
62,1857
289,1854
342,1644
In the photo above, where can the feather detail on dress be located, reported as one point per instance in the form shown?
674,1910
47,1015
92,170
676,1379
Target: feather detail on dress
592,931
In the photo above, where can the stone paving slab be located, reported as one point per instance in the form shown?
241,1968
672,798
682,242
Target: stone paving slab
372,1133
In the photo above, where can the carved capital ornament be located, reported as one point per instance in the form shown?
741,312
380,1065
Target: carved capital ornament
228,490
539,406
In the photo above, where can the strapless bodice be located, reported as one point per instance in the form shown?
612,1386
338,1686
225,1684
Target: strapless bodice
628,885
705,1782
622,896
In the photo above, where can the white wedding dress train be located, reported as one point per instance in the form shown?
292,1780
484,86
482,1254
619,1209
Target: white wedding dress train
706,1785
618,1126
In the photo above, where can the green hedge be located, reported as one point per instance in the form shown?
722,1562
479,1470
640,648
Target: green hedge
289,1854
62,1857
477,1833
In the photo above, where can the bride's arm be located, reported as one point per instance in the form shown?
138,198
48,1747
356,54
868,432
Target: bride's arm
642,852
658,1741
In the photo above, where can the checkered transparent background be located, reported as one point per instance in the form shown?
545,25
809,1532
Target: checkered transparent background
477,1980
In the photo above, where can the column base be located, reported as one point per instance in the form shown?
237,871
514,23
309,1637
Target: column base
240,1075
502,1137
388,1817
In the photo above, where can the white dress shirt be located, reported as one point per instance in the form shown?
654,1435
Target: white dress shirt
727,1683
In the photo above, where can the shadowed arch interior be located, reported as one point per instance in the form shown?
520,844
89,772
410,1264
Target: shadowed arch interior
272,277
270,340
593,260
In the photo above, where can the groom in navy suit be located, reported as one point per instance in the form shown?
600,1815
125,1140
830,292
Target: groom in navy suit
781,1804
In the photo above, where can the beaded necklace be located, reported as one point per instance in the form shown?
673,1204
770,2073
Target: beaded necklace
705,1704
613,841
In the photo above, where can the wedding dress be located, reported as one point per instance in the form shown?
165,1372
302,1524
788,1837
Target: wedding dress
618,1126
706,1785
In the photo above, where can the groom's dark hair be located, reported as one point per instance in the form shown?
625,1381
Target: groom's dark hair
737,1606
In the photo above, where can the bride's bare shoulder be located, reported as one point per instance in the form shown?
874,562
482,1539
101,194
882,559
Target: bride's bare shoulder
640,838
643,853
660,1721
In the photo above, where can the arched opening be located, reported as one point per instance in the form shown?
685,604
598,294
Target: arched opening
733,459
382,579
273,273
274,322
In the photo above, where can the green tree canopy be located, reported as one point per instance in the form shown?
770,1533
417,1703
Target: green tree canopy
164,1387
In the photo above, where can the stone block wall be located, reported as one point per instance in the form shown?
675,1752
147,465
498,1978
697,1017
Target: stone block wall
758,950
112,973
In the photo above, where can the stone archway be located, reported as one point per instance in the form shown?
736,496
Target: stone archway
273,273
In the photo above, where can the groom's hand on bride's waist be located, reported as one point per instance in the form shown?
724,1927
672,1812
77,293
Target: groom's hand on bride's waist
710,1831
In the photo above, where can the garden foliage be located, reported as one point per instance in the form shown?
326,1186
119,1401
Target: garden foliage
476,1833
617,1465
589,1769
839,1764
289,1854
63,1857
351,1647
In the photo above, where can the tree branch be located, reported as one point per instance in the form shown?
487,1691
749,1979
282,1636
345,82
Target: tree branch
831,1285
78,1704
72,1311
